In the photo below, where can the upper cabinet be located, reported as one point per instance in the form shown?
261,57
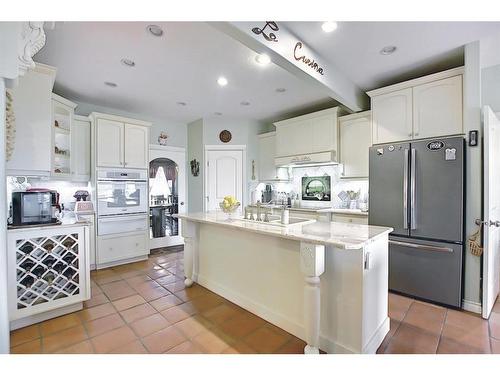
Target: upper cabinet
80,149
307,138
267,153
32,104
425,107
437,108
392,116
136,146
121,142
355,141
62,128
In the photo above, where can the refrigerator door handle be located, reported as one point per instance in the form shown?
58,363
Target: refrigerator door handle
405,191
423,247
413,188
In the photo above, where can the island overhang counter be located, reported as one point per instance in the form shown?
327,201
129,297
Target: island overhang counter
324,282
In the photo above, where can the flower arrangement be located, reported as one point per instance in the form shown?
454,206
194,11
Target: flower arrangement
162,139
229,205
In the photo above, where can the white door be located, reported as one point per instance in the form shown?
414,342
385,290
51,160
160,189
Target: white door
224,176
392,116
109,143
136,146
491,253
167,195
437,108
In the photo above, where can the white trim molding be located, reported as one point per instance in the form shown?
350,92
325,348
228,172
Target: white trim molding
156,147
471,306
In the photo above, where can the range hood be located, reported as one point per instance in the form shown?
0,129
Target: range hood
318,158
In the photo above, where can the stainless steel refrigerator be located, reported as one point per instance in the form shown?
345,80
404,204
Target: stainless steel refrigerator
417,188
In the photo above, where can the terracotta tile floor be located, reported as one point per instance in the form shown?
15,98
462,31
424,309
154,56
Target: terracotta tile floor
143,307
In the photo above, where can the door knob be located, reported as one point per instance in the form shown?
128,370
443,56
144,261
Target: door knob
182,203
494,223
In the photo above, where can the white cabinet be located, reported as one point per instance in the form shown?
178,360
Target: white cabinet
32,104
425,107
392,116
314,133
48,273
324,133
355,219
267,153
121,142
136,146
437,108
80,149
110,139
62,139
355,140
116,248
91,239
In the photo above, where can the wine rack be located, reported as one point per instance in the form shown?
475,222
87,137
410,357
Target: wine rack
47,269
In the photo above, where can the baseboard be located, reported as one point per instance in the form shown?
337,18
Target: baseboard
471,306
100,266
37,318
377,338
326,343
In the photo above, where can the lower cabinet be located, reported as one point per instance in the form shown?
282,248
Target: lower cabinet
115,248
92,228
355,219
48,273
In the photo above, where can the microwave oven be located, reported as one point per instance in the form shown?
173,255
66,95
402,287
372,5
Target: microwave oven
32,207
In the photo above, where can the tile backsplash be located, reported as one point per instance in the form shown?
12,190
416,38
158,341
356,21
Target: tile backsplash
339,187
66,189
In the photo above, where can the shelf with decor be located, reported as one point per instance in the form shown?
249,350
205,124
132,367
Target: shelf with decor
62,120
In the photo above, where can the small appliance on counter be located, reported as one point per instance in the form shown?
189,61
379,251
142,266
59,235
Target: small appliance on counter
35,207
82,205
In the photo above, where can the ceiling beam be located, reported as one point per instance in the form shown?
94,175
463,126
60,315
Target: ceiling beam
290,53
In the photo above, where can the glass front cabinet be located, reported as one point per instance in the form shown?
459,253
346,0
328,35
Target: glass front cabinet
62,123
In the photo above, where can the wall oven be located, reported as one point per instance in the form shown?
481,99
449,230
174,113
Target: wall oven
121,192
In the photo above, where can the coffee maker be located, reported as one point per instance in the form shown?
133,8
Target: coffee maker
56,207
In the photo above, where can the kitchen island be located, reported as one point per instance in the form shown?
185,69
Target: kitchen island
324,282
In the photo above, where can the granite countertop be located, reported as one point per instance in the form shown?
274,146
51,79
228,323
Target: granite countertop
69,219
342,235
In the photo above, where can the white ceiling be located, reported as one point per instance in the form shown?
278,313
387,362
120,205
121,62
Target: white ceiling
181,66
184,64
423,47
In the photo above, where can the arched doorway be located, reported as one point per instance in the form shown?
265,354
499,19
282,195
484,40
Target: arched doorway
166,195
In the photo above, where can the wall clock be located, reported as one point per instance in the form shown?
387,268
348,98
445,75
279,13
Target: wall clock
225,136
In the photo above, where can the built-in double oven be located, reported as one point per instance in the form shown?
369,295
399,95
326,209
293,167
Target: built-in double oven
122,200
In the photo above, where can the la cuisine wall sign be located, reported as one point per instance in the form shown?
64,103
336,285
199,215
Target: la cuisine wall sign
270,36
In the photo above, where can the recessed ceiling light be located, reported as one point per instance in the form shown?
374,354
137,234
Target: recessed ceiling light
110,84
329,26
128,62
155,30
245,103
262,59
280,89
387,50
222,81
218,113
181,103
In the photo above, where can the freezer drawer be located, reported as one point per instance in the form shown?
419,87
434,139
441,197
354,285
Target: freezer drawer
427,270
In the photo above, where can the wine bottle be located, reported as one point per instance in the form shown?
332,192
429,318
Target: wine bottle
27,265
49,262
49,278
69,273
68,258
27,248
59,267
48,246
28,281
38,271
